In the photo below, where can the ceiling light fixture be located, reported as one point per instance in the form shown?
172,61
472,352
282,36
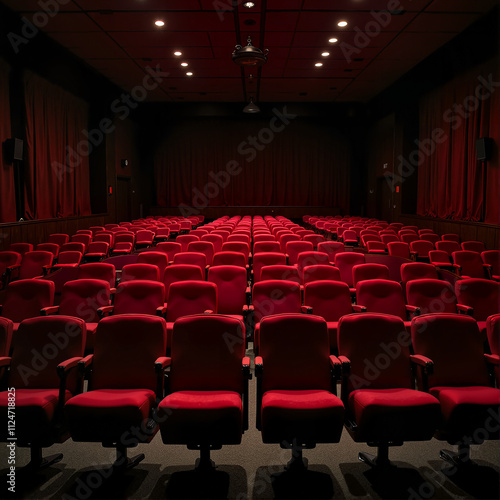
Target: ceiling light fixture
249,55
318,65
189,73
333,40
184,64
249,5
251,107
325,54
177,53
342,24
160,23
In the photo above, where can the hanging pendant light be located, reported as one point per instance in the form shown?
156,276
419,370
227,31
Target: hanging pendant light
251,107
249,55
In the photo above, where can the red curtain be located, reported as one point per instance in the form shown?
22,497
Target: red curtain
452,183
7,189
57,169
277,162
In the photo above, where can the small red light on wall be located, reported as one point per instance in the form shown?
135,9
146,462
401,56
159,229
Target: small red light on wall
110,190
397,189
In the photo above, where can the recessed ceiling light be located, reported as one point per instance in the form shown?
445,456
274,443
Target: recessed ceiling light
325,54
342,24
189,73
333,40
249,5
318,65
184,64
177,53
160,23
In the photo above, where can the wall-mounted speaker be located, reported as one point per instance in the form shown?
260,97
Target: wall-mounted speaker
483,148
13,149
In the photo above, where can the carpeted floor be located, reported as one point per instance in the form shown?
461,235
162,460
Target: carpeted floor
256,470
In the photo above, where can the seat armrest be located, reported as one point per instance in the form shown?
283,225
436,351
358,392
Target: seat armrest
413,310
208,311
84,363
423,361
346,364
104,311
245,364
427,368
112,290
336,366
358,308
248,294
259,366
462,308
46,311
5,361
345,371
62,370
64,367
306,309
492,359
161,310
488,269
161,363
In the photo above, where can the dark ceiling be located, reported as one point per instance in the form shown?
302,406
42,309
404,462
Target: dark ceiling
382,41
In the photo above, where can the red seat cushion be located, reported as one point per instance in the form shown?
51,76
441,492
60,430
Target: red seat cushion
394,414
34,413
201,417
105,415
315,416
466,409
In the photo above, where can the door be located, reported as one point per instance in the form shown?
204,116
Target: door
123,212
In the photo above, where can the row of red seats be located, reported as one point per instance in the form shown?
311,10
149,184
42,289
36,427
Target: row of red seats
203,403
227,292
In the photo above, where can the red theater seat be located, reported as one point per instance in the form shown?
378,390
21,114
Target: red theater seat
274,297
139,271
81,299
189,297
207,402
331,300
26,298
297,406
449,351
382,408
124,388
40,394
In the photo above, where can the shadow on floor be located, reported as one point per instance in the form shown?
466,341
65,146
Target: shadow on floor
317,481
397,482
477,480
225,481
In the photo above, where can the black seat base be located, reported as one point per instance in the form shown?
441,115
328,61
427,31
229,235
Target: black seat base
38,462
